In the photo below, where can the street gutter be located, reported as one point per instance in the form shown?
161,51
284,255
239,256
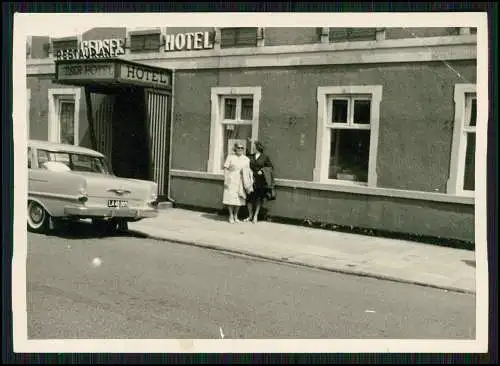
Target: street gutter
352,272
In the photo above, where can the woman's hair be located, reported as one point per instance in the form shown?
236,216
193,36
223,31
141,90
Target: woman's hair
259,147
238,146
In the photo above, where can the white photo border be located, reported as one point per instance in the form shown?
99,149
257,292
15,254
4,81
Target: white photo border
39,23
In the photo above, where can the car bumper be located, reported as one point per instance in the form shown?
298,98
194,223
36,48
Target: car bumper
105,212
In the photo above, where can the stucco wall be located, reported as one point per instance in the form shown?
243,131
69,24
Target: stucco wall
438,219
416,117
39,108
418,32
104,33
290,35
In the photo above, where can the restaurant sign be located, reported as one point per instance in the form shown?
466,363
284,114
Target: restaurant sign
94,49
97,70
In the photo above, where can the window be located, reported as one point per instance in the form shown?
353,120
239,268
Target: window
462,162
73,161
64,106
235,113
352,34
145,42
347,137
28,106
30,158
238,37
63,45
67,121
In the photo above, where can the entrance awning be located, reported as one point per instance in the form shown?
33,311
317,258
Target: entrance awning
111,73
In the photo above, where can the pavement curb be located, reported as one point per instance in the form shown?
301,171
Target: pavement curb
165,205
308,265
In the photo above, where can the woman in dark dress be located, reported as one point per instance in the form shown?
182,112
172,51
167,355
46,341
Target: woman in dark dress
262,173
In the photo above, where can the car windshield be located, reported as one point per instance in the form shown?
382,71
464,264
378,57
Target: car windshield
75,162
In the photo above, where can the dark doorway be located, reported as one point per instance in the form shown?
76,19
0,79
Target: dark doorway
130,153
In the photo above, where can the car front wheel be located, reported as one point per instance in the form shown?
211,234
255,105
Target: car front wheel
38,218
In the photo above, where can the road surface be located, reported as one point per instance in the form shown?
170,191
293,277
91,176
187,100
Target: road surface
145,288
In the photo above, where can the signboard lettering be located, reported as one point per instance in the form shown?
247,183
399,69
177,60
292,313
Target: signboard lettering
106,48
89,71
188,41
145,75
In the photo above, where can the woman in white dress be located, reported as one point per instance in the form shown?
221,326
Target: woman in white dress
238,181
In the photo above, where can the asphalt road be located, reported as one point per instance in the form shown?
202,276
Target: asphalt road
154,289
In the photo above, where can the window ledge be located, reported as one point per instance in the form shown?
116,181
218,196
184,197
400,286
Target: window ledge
347,188
64,39
196,174
145,32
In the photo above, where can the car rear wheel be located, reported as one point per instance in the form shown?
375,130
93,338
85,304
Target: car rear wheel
38,217
122,226
106,227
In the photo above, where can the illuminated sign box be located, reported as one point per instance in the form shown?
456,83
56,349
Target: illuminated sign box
111,73
145,74
95,70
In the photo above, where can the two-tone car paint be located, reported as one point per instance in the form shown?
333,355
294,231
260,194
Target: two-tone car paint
82,194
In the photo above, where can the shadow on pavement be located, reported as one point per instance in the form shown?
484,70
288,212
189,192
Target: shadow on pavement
469,262
85,230
215,217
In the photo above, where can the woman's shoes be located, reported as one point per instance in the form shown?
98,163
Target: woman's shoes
248,219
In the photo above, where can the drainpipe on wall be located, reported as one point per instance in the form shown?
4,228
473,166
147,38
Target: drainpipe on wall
172,115
90,119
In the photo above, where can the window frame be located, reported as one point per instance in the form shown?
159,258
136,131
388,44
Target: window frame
459,143
56,96
236,32
28,109
30,160
64,43
71,156
218,95
325,97
144,37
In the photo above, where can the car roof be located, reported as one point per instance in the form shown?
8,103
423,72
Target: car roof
57,147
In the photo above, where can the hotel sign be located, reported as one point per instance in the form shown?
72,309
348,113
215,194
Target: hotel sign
94,49
145,75
111,73
189,41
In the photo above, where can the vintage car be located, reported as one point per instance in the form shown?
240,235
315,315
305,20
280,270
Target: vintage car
67,182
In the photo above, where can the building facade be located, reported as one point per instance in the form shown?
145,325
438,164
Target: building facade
366,127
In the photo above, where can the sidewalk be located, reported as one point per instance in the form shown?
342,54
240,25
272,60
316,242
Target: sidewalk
398,260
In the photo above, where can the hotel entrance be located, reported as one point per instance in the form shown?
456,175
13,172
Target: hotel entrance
129,114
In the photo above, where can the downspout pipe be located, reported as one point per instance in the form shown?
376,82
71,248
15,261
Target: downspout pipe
172,99
90,118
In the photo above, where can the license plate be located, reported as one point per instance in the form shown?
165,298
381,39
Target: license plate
117,203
